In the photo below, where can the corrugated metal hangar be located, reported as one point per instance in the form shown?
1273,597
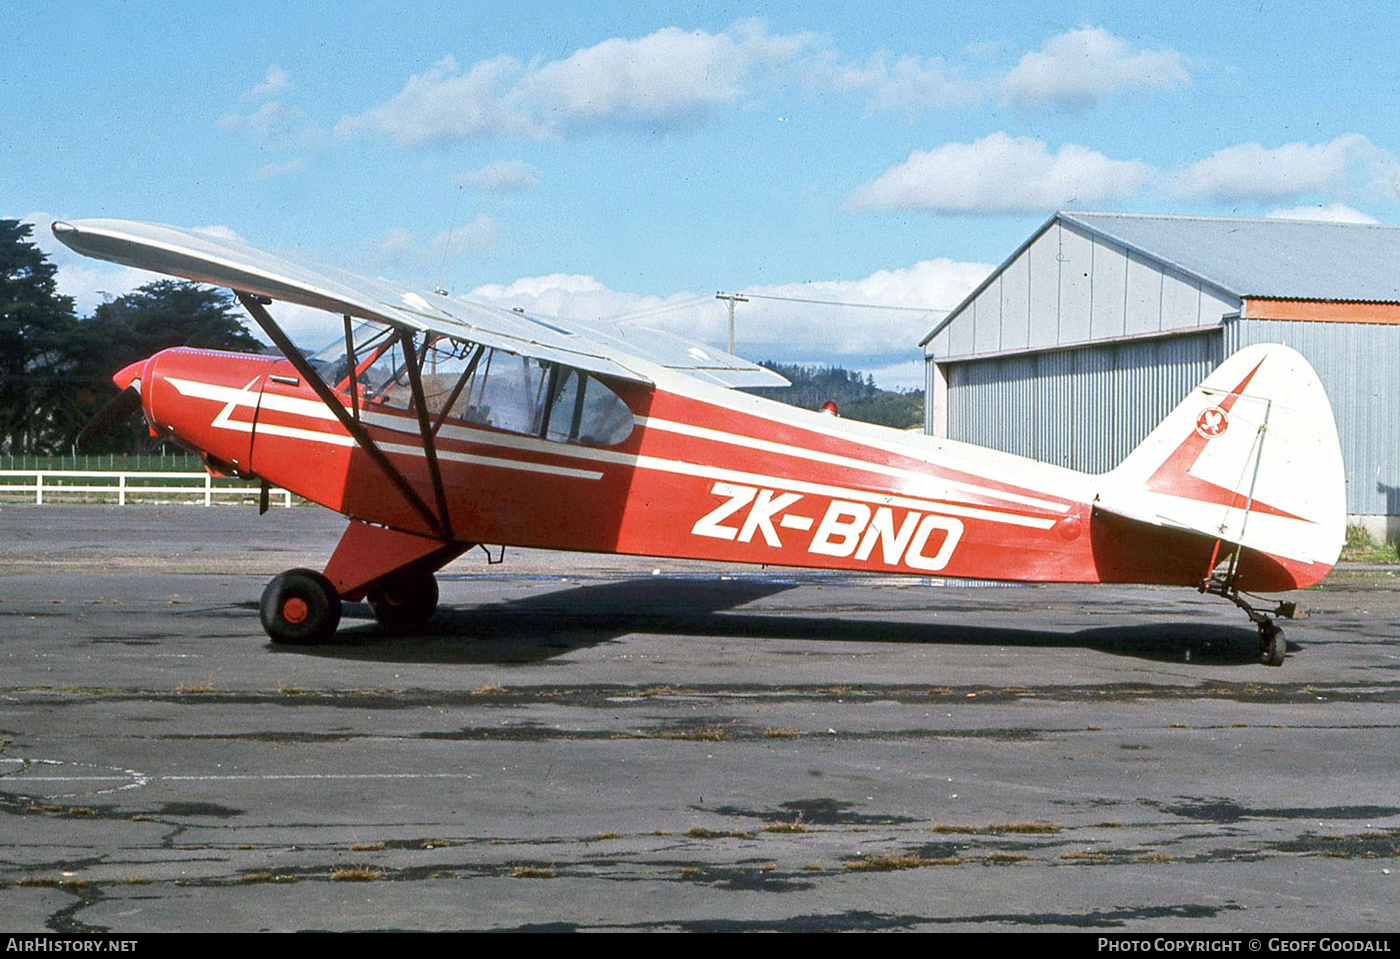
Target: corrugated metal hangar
1077,345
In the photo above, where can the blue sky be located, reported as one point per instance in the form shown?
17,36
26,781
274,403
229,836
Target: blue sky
604,159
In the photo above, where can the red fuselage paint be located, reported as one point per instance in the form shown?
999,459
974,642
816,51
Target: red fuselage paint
755,482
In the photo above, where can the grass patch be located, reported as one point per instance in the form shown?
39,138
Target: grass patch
1024,827
532,872
705,734
488,689
1084,856
1156,857
1005,858
946,828
206,687
1361,548
357,874
891,862
600,837
781,733
701,832
797,825
368,847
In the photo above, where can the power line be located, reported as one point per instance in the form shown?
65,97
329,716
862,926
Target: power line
865,306
654,310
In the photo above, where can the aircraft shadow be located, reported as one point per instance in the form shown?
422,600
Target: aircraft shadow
540,628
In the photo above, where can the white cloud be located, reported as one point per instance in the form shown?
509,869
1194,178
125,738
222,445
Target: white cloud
1331,212
907,83
476,237
1251,172
277,125
670,78
401,251
503,176
1000,174
276,81
272,171
881,342
1079,68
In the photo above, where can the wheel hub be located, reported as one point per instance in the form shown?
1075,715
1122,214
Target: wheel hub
294,610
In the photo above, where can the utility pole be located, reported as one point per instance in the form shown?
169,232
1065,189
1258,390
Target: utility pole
732,298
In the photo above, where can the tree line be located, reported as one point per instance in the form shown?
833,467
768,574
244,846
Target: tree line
56,367
854,393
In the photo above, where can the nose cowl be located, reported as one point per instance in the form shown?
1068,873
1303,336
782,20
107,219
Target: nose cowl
129,374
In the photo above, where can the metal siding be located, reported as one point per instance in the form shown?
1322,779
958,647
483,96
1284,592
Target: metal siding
1143,303
1076,267
1110,279
961,329
1357,364
1015,308
929,374
1081,408
1181,300
1215,304
1044,289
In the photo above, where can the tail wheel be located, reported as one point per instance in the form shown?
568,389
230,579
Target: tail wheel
404,600
1272,646
300,607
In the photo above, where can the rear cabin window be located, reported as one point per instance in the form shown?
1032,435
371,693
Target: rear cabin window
481,386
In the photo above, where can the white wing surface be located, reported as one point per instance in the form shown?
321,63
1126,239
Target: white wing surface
221,262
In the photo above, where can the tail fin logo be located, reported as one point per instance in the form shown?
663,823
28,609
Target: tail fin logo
1212,422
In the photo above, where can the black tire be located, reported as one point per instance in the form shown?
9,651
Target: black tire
300,608
404,601
1272,646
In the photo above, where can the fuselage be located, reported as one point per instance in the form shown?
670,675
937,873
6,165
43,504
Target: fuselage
703,472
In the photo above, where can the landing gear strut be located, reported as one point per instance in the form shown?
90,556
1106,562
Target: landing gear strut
1272,646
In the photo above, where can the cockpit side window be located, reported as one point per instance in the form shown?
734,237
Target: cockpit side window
477,385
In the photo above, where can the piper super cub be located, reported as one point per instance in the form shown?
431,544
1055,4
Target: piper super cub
436,425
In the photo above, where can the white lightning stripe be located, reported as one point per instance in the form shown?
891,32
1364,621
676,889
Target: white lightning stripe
318,409
530,444
493,461
932,486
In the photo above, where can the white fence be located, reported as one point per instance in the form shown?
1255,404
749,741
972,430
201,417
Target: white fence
121,486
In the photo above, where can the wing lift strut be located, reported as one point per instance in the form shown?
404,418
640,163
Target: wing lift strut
1225,583
438,520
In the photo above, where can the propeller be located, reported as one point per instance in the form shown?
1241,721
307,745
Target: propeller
118,408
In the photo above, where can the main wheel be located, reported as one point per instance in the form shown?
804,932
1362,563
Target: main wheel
1272,646
300,607
404,600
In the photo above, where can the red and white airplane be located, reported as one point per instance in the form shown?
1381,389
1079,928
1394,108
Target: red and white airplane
437,425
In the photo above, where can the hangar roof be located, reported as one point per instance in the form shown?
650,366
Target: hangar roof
1273,258
1243,257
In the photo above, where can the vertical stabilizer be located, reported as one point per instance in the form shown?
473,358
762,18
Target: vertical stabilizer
1250,457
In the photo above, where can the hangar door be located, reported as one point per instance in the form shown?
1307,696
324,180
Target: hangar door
1082,408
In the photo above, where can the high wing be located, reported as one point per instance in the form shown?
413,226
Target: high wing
238,266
